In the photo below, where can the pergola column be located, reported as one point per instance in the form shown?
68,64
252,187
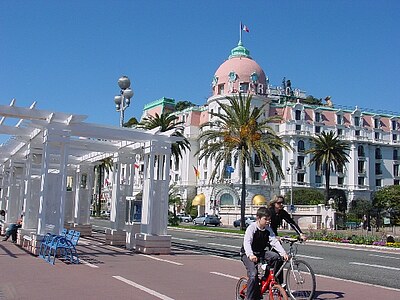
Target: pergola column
32,189
53,181
69,212
117,235
153,238
13,198
83,196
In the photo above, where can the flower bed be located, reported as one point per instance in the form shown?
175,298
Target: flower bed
351,238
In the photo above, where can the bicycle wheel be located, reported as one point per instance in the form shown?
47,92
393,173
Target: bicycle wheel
276,292
300,281
241,288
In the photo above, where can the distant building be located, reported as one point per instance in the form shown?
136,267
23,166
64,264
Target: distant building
373,139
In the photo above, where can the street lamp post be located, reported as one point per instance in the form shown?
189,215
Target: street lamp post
291,162
123,100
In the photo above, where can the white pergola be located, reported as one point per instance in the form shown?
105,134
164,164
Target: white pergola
44,148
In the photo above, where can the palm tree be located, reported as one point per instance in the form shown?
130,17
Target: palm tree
329,152
168,122
240,130
106,164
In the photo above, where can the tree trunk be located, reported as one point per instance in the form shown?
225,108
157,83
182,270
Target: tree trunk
243,199
327,177
98,213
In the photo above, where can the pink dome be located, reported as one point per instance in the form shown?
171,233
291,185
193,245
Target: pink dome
238,73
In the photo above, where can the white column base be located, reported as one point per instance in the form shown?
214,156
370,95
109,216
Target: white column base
131,230
153,244
84,229
115,237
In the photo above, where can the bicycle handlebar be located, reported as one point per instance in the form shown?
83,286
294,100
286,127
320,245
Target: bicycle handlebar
291,240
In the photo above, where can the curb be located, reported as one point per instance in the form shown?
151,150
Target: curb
326,243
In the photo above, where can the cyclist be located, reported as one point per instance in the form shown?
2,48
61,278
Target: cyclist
277,215
257,239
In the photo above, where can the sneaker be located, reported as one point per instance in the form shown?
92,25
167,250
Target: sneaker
5,239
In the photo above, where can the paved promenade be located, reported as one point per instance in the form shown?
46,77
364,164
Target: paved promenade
108,272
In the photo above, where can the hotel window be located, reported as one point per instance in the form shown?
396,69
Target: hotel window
395,154
257,161
360,166
394,125
396,182
377,123
396,170
377,135
256,176
317,117
394,137
300,178
339,119
339,131
298,115
220,89
357,132
356,121
300,162
317,129
298,127
340,181
378,154
360,151
318,179
244,87
300,146
378,182
361,181
378,169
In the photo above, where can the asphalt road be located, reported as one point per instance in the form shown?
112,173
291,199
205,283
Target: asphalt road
374,266
355,263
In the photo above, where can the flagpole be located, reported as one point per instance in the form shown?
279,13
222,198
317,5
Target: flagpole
240,33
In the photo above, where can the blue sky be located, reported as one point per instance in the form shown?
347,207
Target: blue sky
68,55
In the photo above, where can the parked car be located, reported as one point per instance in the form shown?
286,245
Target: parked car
207,220
248,221
184,218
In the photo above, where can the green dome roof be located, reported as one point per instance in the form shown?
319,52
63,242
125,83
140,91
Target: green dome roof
240,51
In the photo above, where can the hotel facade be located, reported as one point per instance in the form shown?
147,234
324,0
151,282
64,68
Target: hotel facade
373,139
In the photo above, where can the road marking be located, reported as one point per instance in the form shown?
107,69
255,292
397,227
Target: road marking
390,257
163,260
358,282
143,288
225,275
88,264
311,257
226,258
185,240
375,266
227,246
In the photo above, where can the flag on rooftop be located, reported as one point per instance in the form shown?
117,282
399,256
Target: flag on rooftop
244,27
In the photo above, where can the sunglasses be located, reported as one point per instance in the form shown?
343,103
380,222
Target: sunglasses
280,202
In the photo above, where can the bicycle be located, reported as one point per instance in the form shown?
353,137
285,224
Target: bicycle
270,289
300,278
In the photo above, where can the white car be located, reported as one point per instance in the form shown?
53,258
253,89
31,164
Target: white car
184,218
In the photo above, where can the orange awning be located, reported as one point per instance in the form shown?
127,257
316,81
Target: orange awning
259,200
200,199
